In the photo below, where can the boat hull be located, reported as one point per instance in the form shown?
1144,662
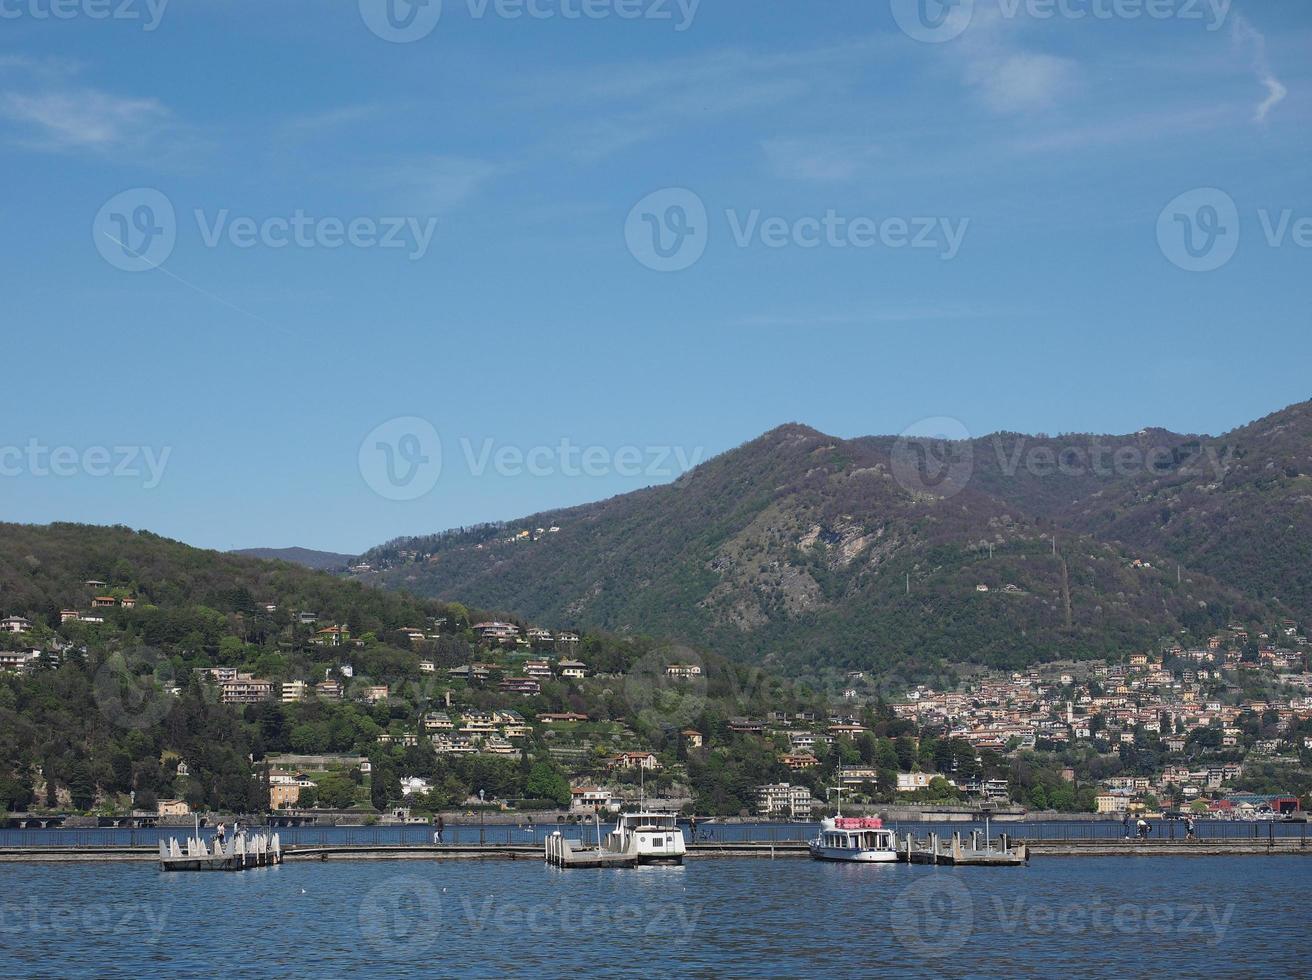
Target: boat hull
854,856
673,859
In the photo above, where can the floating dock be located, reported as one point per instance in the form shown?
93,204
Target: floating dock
564,853
238,854
974,851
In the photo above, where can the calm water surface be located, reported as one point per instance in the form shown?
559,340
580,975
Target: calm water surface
1059,917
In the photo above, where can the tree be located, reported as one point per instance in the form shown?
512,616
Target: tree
1062,798
14,794
547,782
906,753
336,792
80,785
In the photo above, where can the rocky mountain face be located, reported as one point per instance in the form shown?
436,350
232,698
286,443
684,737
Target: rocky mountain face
804,551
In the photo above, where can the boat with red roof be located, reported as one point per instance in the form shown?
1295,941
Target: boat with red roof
861,839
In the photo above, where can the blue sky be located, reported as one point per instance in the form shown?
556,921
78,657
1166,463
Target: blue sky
520,169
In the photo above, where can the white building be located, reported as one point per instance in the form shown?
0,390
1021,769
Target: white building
414,786
909,782
587,799
784,800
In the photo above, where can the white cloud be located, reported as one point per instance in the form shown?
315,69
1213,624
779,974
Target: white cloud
328,121
799,159
1249,37
630,103
85,118
1006,77
44,108
1020,82
440,183
1124,128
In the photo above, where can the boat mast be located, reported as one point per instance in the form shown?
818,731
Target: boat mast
839,791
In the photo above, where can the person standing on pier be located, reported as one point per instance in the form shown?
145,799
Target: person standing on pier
437,834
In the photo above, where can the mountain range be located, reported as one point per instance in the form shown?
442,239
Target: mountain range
324,561
807,552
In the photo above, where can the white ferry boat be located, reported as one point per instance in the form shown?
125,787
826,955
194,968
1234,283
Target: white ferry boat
861,839
653,838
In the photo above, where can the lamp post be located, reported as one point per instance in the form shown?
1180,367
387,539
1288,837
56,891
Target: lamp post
481,814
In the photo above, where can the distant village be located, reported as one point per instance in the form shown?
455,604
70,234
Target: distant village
1168,703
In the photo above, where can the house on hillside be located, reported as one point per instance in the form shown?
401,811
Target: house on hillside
589,799
332,636
635,760
525,686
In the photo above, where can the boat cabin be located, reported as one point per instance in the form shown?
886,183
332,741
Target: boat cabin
649,835
860,839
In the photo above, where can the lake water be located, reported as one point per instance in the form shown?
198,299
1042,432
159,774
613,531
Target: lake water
732,917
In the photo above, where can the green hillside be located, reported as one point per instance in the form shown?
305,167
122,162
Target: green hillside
812,553
106,691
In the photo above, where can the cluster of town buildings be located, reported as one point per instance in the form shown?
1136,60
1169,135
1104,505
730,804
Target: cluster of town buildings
1150,699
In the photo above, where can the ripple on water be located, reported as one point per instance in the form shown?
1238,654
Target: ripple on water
747,917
